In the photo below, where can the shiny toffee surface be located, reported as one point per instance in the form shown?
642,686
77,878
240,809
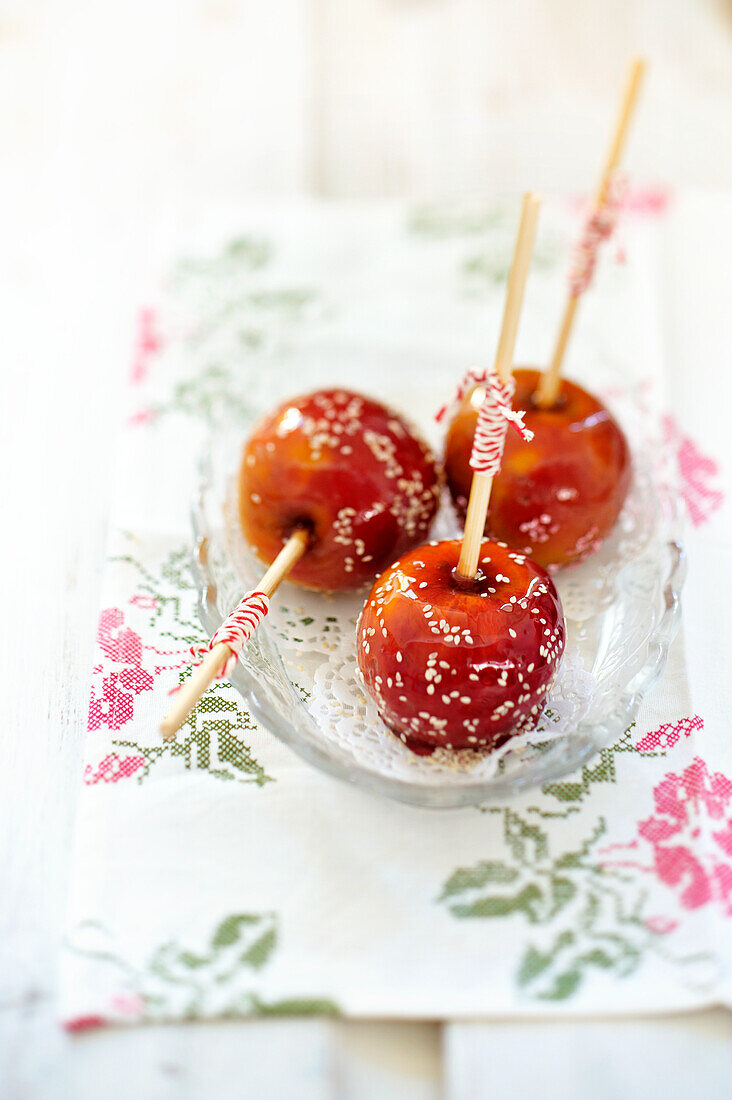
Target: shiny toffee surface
349,470
460,665
558,496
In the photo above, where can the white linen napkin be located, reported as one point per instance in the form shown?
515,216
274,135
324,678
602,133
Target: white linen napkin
220,875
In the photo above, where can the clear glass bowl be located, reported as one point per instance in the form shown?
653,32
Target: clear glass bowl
298,675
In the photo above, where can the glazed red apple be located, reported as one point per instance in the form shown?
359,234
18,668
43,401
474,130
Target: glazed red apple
349,470
557,497
460,664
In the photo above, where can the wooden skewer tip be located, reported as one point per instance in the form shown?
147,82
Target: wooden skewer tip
550,382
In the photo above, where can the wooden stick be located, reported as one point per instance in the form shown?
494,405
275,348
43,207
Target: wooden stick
623,120
548,390
480,488
191,691
287,558
480,495
212,664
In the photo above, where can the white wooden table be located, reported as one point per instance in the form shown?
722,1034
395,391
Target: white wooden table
107,111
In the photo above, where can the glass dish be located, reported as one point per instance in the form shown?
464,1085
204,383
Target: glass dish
298,675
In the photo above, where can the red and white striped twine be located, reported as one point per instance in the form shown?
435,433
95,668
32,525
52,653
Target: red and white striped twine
494,416
471,379
599,226
237,628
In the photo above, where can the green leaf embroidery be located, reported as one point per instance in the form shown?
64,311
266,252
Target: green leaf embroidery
258,954
576,858
240,254
192,961
230,929
536,962
472,878
527,901
563,986
528,843
604,771
165,964
295,1007
574,791
598,912
562,890
597,957
178,983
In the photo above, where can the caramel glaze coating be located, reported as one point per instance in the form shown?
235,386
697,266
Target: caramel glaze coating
458,665
349,470
558,496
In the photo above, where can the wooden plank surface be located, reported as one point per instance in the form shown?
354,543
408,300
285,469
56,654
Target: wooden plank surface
674,1057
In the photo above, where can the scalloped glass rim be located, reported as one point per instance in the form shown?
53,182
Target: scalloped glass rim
274,700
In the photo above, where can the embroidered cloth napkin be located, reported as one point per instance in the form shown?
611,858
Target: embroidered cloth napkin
219,875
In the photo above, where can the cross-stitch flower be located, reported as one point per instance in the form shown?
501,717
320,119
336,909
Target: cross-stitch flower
116,706
118,644
667,734
122,647
691,833
84,1023
147,343
141,417
660,925
129,664
130,1005
147,603
697,471
113,768
135,680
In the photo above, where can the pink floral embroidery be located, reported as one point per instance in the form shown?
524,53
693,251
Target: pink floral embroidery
116,643
683,805
147,603
84,1023
147,343
123,647
113,768
141,417
128,1004
667,735
697,470
648,201
642,201
660,925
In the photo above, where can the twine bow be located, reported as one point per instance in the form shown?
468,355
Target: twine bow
599,225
